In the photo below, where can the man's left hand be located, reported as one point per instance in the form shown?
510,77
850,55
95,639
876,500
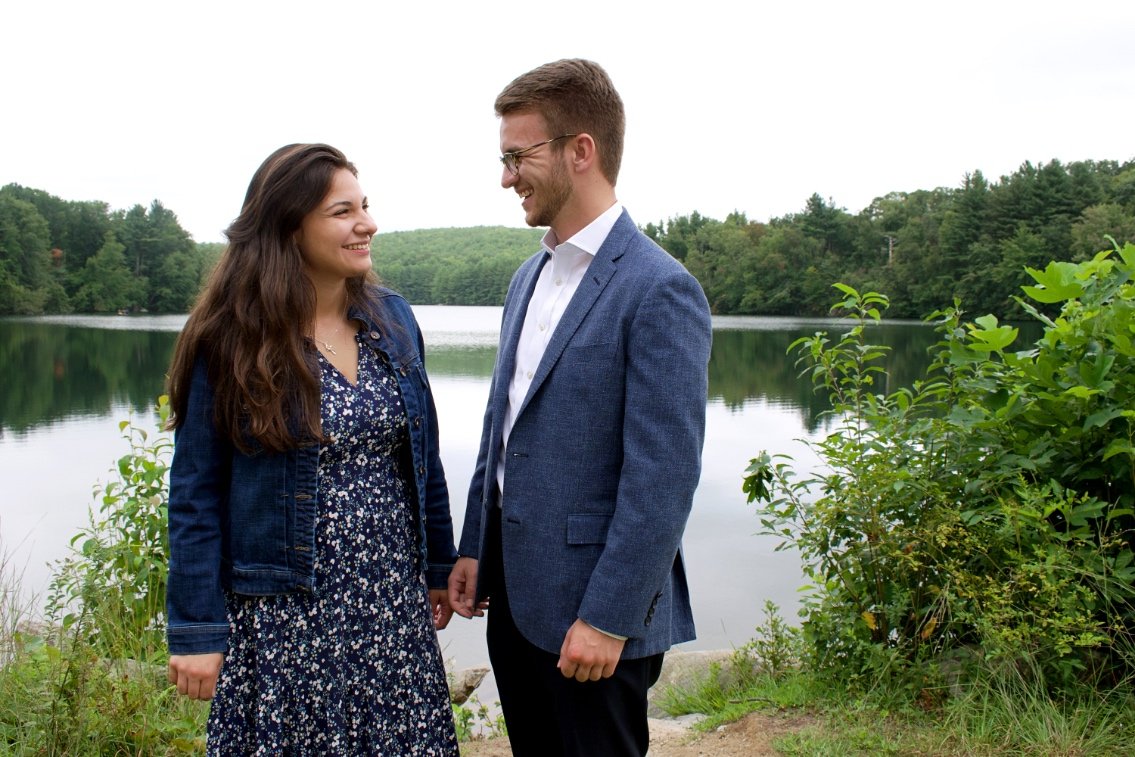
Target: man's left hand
588,654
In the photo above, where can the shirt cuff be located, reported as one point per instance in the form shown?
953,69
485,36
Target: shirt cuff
608,633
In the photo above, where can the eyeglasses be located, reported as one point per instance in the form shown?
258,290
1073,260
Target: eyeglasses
511,160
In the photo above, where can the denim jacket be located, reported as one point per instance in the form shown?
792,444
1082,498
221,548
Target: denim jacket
246,523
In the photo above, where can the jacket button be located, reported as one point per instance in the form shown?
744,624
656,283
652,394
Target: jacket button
375,335
422,469
418,422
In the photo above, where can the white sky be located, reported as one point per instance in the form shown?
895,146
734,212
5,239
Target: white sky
731,104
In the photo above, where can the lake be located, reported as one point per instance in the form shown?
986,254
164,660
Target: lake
66,382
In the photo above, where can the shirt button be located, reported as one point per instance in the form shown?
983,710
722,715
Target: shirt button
559,282
543,326
529,374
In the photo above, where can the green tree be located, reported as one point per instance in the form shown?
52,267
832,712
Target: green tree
679,234
107,284
76,228
722,257
964,222
830,225
1096,224
157,250
25,257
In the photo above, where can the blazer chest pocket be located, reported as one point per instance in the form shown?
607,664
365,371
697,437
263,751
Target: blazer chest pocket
591,353
589,373
587,528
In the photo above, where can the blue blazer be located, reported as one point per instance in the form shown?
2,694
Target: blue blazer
605,451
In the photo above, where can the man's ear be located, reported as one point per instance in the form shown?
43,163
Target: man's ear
584,152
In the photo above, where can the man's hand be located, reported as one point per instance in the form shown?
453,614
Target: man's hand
463,589
588,654
440,608
196,674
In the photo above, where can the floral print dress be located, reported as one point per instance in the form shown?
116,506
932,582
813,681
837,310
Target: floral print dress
354,667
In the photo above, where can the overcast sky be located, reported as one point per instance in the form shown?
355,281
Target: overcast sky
731,105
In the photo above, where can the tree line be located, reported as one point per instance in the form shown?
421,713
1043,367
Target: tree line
923,248
59,256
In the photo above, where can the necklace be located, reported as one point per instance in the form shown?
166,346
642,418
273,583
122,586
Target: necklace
326,344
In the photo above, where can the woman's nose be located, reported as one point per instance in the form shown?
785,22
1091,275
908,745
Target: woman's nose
368,225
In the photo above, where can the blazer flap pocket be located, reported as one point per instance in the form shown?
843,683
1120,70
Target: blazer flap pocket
587,528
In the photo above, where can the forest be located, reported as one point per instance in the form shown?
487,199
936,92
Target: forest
924,248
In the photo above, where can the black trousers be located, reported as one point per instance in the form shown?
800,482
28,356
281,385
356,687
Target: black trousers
549,715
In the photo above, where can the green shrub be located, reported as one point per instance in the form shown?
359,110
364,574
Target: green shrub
116,580
983,514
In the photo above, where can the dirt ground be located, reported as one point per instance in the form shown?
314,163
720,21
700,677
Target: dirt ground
751,736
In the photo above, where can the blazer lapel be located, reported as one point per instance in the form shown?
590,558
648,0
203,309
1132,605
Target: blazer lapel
510,336
599,274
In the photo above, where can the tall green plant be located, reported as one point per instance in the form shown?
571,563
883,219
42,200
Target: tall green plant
114,585
985,510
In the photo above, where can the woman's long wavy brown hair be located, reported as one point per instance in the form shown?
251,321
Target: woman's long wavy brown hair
249,323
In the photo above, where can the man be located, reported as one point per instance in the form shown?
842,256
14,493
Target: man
592,439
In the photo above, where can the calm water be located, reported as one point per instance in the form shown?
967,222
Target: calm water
66,382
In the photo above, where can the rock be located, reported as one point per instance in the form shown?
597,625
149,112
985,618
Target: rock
462,683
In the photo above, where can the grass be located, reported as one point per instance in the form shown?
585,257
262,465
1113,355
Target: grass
995,717
1002,711
63,694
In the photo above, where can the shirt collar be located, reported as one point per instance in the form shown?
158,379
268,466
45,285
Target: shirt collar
588,239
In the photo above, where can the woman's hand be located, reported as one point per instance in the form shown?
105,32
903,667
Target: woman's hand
195,675
440,608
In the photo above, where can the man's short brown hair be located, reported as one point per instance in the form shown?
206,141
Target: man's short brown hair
573,96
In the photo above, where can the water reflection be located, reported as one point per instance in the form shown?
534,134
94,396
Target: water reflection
56,368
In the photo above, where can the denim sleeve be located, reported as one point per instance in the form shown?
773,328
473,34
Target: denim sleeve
441,553
198,500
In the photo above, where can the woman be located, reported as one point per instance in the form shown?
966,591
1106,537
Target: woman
307,499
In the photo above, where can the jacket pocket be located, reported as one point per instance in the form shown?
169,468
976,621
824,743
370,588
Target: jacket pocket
590,353
587,528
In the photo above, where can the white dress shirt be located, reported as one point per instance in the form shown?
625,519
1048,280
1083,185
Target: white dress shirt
557,283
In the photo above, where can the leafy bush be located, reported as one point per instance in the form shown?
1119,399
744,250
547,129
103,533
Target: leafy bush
773,652
117,579
983,514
